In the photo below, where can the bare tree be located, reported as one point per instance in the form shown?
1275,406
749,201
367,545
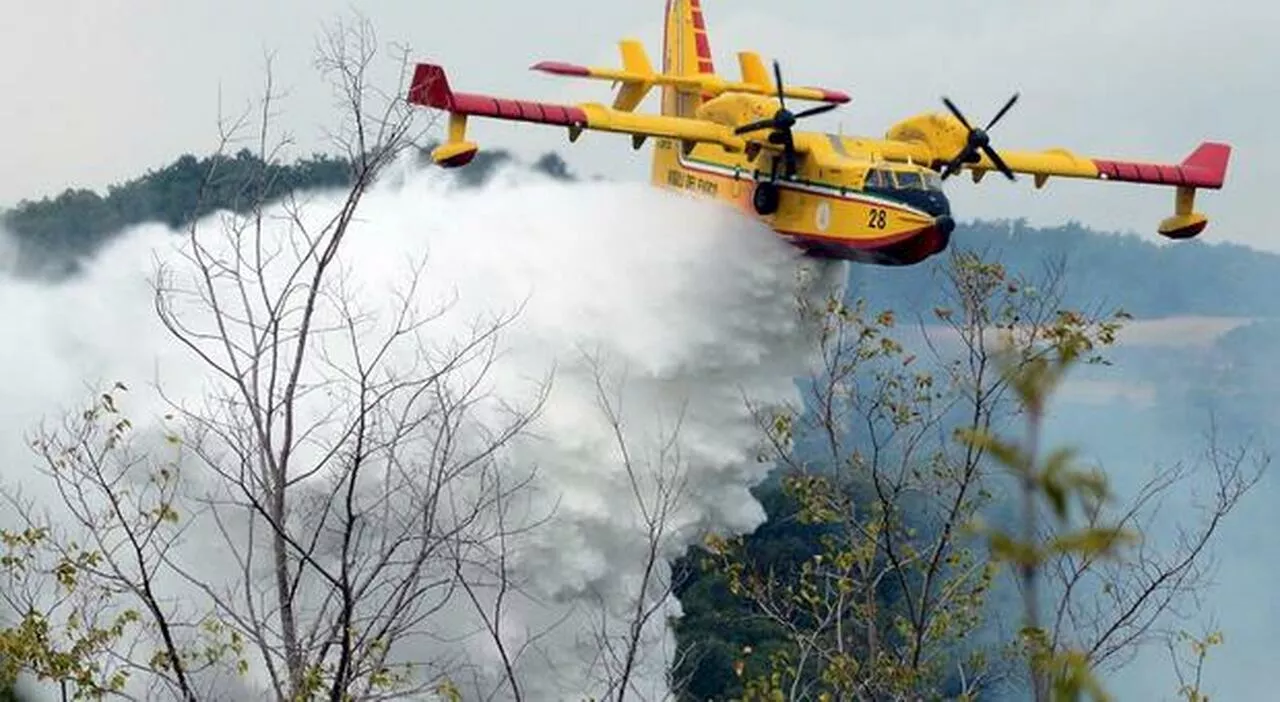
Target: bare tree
327,500
657,480
1110,608
1190,673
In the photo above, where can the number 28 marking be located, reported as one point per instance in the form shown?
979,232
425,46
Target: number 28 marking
876,218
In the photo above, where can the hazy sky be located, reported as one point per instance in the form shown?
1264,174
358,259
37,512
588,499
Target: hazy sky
101,91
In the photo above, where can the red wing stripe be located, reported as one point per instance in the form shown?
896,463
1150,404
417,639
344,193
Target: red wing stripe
559,114
832,95
518,110
508,108
1156,173
467,103
561,68
431,88
1206,167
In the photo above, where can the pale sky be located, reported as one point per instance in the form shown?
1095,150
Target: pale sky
101,91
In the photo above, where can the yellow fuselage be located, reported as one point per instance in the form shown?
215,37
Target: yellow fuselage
842,202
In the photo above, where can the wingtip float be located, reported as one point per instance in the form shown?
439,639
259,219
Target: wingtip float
870,200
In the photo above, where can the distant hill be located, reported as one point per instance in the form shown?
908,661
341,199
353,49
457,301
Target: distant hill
1149,279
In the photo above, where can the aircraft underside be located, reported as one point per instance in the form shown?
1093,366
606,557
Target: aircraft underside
905,253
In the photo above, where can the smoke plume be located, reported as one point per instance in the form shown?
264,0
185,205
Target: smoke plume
642,322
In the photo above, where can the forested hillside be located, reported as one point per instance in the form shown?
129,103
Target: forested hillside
55,233
1145,275
1145,278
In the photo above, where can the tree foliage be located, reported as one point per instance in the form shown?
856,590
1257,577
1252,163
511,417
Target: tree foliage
897,476
56,234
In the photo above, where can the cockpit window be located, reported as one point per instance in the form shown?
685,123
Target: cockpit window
904,180
878,178
910,180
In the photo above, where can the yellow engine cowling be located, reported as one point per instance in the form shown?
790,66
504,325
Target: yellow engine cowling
943,135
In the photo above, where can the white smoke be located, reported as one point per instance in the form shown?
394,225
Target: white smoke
8,252
685,309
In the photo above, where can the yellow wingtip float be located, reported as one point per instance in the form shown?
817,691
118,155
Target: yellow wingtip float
871,200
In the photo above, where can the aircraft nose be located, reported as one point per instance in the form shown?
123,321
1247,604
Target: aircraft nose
944,224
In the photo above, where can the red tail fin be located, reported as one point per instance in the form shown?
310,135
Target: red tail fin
430,87
1209,163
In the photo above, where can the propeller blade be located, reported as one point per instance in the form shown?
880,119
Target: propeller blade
782,122
755,126
777,76
1002,111
977,140
956,111
816,110
952,166
1000,164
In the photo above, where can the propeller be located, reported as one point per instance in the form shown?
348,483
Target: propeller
977,140
782,121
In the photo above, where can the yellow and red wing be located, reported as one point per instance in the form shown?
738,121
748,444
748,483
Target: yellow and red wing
1204,167
431,88
937,138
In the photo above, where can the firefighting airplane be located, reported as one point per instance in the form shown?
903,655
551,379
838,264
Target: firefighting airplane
862,199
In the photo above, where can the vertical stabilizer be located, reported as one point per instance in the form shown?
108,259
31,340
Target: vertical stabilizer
686,50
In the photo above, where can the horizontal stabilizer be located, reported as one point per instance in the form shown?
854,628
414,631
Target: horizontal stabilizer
637,71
